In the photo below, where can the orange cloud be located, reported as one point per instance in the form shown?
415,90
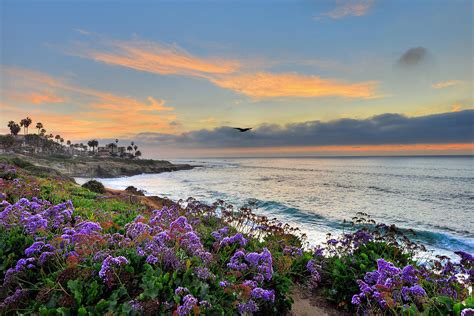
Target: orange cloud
225,73
96,113
347,8
446,84
37,98
155,58
268,85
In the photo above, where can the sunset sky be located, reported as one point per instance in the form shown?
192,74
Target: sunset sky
311,77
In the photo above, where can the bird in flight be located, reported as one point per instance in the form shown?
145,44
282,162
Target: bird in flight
243,129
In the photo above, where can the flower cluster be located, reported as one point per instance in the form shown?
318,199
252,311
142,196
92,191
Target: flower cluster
107,272
257,264
35,215
389,286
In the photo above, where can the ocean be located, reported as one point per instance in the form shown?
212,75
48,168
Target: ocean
434,196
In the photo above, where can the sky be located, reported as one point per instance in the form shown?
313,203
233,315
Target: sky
335,77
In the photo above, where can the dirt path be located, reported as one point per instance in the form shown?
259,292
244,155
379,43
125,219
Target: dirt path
309,304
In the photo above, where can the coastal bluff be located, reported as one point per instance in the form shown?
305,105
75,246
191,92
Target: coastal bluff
95,167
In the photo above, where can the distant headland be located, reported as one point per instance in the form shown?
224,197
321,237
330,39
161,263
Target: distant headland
78,159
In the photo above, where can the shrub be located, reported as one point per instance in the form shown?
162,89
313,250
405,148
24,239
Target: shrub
134,190
94,186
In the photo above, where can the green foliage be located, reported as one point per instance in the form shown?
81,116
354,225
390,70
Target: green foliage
341,272
13,242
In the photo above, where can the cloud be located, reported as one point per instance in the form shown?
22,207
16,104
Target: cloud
270,85
446,84
41,97
155,58
95,113
164,59
385,129
414,57
346,8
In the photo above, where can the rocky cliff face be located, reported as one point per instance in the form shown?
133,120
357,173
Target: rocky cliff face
101,167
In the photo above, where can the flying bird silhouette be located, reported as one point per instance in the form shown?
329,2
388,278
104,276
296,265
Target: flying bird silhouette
243,129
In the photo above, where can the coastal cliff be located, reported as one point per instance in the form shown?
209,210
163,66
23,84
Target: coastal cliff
99,167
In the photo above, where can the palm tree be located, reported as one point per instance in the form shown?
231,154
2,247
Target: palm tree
129,148
116,140
93,143
138,153
57,137
25,123
43,131
39,126
14,128
135,147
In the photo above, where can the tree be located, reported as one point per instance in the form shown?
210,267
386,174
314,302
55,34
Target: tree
57,137
129,148
112,146
93,143
138,153
39,126
68,143
25,123
61,140
135,147
116,140
42,132
14,128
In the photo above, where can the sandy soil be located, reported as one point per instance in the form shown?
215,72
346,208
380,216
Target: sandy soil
310,304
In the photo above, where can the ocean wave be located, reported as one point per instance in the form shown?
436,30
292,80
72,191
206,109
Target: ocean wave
432,239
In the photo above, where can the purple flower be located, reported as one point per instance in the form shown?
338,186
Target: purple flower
44,257
465,257
203,273
372,277
236,239
387,267
467,312
34,223
250,283
107,272
189,302
247,308
266,295
24,262
87,228
34,248
356,300
236,261
181,290
409,274
136,229
151,259
417,290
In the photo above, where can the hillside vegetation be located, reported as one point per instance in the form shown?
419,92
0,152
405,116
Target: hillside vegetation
70,251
